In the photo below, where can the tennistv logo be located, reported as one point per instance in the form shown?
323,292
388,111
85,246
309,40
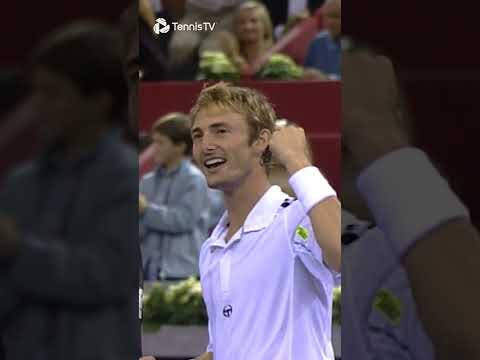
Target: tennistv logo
162,27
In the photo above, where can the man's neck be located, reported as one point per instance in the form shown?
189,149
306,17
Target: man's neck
241,200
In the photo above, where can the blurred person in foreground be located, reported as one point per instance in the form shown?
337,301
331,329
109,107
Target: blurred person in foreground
69,252
324,52
412,257
234,138
173,204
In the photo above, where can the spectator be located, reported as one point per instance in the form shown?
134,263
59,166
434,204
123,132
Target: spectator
184,45
248,51
172,204
324,52
253,29
69,258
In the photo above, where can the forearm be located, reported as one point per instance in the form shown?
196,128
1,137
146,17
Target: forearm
323,208
326,222
443,272
428,228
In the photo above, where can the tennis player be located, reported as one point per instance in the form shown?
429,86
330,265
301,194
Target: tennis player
270,265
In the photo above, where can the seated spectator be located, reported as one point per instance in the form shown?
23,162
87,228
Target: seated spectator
324,52
173,215
247,51
184,45
253,30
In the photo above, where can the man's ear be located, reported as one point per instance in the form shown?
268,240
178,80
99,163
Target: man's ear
262,142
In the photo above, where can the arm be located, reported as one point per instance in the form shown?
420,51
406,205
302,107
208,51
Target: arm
289,146
455,243
441,257
182,216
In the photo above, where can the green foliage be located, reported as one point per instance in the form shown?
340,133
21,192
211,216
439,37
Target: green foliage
215,65
182,304
280,67
177,304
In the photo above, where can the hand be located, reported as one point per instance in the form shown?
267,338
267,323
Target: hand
370,106
289,147
9,238
142,203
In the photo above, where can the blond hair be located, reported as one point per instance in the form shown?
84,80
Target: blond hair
264,18
258,112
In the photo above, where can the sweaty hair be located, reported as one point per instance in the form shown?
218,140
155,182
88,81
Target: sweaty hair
90,54
258,112
175,126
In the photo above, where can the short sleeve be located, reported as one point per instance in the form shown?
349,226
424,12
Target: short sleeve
306,248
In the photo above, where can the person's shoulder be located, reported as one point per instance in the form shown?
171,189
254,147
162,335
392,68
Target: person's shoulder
193,173
126,154
191,169
148,177
293,209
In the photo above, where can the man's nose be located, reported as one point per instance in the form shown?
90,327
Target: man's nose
208,145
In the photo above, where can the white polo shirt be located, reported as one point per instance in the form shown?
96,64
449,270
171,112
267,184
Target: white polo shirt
268,292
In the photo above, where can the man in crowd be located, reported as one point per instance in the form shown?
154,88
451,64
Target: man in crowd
324,52
69,254
173,204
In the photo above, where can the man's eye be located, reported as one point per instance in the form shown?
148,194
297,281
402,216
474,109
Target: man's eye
221,131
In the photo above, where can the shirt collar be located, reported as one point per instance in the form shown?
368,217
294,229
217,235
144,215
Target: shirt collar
260,217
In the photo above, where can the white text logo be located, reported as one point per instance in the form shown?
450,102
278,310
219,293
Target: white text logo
161,30
162,27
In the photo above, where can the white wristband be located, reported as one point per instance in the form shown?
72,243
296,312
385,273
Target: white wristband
408,197
310,187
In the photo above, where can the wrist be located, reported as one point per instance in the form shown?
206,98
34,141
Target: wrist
296,164
310,187
408,197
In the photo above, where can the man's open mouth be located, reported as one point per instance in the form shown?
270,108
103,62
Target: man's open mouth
214,163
